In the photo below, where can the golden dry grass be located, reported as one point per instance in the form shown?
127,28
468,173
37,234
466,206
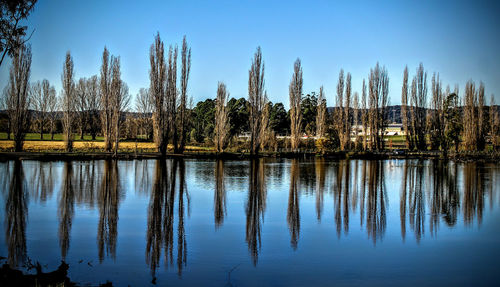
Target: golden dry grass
41,146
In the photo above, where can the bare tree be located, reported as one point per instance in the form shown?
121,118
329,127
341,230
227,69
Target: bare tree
81,104
418,105
481,119
144,105
221,118
121,107
120,99
339,121
18,94
52,106
158,77
404,109
355,116
106,98
321,115
93,105
347,114
257,100
171,95
39,95
436,125
295,93
68,103
116,92
494,124
182,114
379,97
470,117
474,118
364,116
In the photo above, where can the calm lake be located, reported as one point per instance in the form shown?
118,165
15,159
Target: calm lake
277,222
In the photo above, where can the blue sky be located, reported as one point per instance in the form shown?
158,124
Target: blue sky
458,39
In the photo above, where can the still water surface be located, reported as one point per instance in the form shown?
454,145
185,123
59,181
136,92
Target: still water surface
261,222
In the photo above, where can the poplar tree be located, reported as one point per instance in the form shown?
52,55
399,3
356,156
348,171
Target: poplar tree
68,101
295,94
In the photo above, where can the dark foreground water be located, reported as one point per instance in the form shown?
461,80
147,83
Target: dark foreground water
251,223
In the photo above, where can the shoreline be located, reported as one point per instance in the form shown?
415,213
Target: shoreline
366,155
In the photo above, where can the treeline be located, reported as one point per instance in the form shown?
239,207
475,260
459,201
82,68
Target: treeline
100,105
450,122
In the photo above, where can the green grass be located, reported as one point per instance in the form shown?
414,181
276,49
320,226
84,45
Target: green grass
46,137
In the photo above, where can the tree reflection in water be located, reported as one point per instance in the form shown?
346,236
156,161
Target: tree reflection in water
451,197
108,201
66,208
255,207
448,192
342,196
181,235
362,195
416,199
443,196
402,201
337,197
444,199
87,182
219,194
142,177
473,195
319,164
161,215
16,214
346,195
376,201
42,181
293,212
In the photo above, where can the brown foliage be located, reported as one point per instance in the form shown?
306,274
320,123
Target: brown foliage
257,100
68,102
17,95
295,93
221,118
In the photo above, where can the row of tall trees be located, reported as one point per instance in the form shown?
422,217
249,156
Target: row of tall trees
16,95
169,117
86,103
95,100
446,122
96,105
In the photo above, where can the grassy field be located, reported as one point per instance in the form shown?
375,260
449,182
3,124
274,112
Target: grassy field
89,146
34,144
46,137
82,146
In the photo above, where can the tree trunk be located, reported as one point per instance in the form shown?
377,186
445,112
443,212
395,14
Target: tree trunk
52,131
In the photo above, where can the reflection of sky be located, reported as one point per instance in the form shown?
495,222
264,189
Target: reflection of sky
459,39
455,255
